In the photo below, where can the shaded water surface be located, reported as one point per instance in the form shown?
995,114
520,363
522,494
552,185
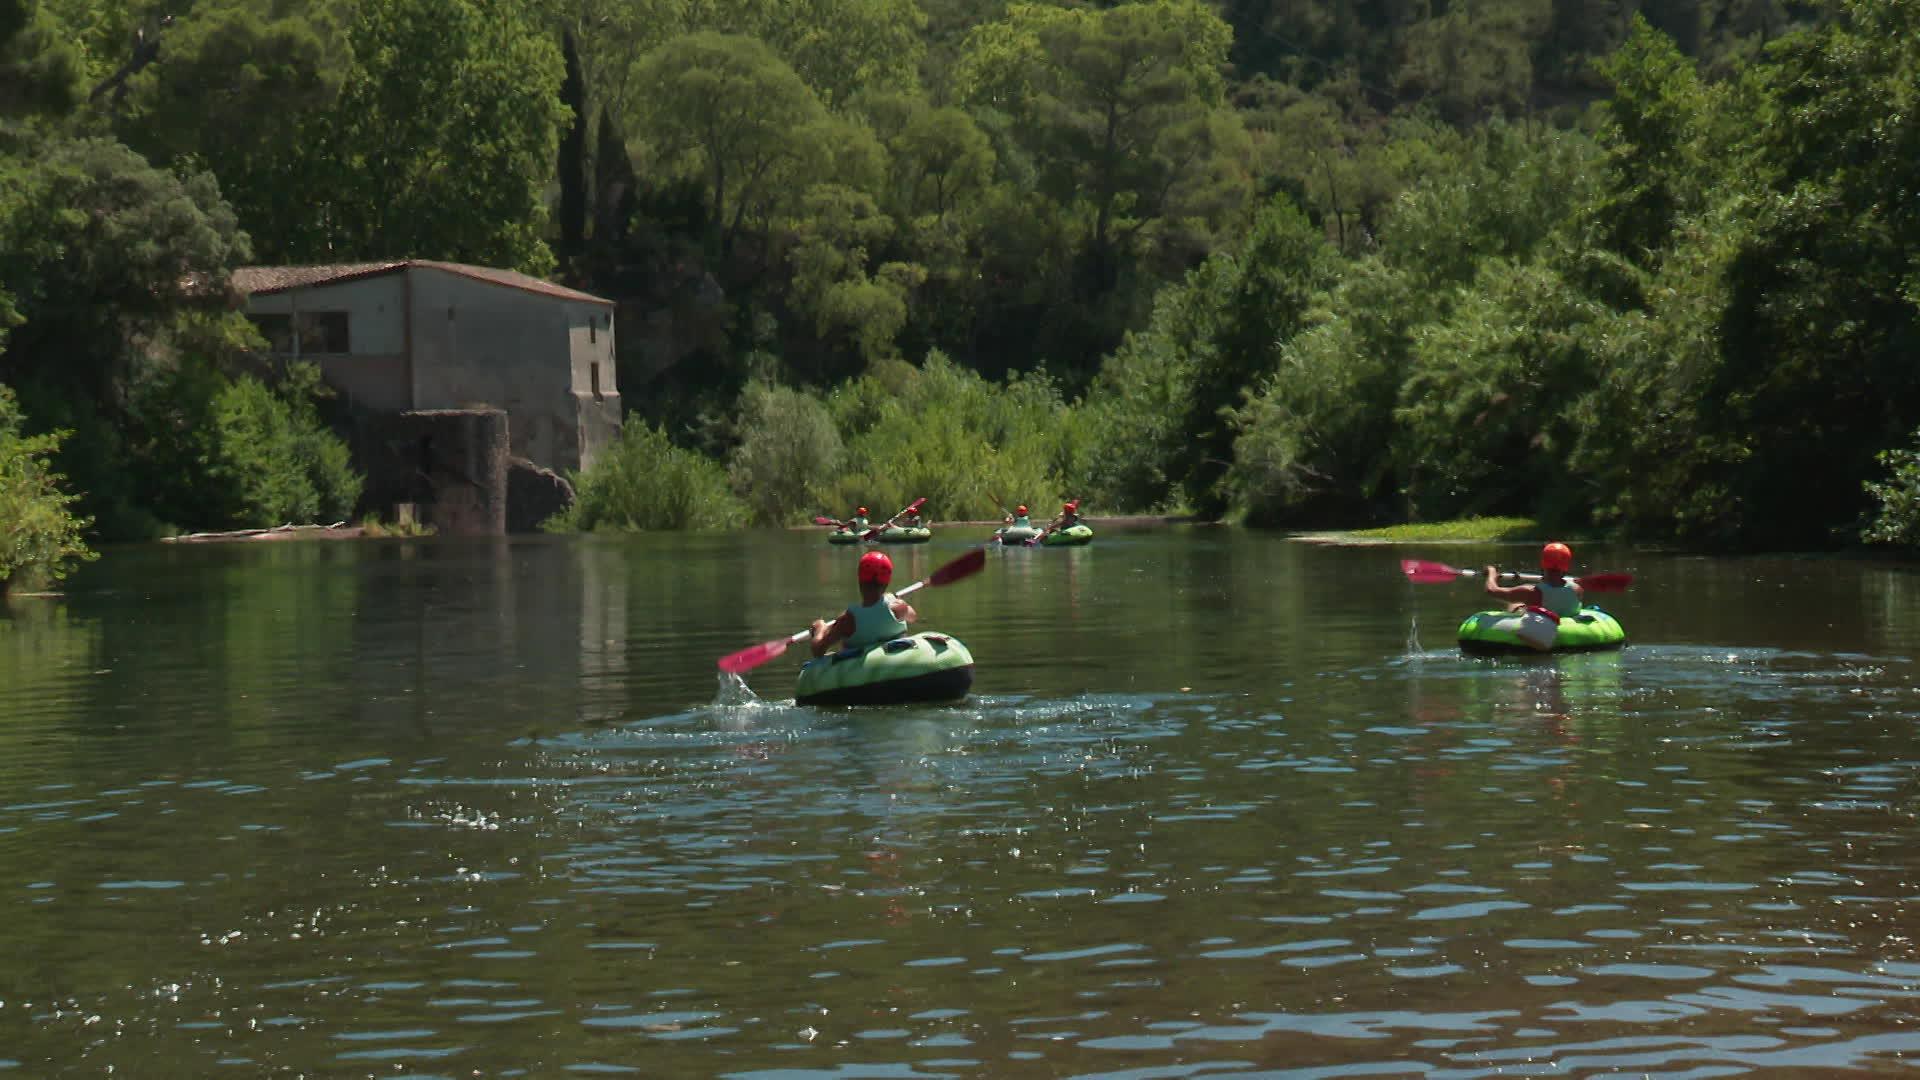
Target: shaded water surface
1222,804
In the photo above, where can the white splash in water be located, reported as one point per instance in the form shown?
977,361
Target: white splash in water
1413,637
734,692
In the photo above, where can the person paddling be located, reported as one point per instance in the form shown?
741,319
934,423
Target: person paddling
1019,519
1069,516
1542,604
880,616
857,523
1554,591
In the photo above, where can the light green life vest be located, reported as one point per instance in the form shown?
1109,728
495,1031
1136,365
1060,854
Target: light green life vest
874,623
1559,599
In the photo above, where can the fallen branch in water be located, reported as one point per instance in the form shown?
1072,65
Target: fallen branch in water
338,530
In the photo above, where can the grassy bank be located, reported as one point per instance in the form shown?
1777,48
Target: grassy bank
1478,530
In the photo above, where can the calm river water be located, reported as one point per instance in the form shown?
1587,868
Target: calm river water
1221,804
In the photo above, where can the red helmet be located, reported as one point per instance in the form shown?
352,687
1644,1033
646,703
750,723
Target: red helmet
861,510
876,568
1020,509
1557,557
1068,505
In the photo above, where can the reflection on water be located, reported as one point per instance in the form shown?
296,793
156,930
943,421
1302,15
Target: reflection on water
1223,804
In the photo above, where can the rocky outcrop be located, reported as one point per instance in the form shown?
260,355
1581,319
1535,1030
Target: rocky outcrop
534,494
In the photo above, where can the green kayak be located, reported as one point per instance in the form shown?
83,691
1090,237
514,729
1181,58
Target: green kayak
1493,633
901,534
844,536
920,667
1068,537
1016,535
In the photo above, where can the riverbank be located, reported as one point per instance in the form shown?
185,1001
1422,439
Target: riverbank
1484,530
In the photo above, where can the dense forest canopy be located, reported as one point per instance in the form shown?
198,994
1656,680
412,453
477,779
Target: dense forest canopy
1638,267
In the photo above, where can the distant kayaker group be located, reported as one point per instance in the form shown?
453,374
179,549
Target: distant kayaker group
911,526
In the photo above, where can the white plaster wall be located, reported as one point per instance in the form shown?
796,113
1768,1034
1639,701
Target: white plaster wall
375,307
590,342
479,343
373,374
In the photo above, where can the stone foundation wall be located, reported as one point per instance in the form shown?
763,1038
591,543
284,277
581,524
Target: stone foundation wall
451,463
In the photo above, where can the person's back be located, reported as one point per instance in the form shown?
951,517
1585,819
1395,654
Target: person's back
1020,518
1558,595
879,616
875,621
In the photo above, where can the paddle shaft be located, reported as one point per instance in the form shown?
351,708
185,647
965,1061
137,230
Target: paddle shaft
1588,582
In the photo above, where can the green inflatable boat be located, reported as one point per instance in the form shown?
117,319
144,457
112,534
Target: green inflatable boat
1068,537
901,534
1492,633
1017,535
844,536
920,667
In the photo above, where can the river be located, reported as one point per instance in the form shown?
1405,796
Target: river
1222,803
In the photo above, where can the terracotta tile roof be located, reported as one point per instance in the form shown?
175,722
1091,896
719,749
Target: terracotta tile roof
254,280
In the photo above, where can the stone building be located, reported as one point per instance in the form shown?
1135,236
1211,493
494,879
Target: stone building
418,336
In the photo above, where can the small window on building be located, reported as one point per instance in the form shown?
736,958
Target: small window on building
277,329
593,373
324,332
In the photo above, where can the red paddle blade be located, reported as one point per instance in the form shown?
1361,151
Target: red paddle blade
825,521
1421,572
749,658
1604,582
963,567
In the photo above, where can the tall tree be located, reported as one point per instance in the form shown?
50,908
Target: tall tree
106,253
1127,112
40,71
729,111
243,90
444,137
1263,294
1474,58
1657,128
1824,317
839,48
572,165
371,129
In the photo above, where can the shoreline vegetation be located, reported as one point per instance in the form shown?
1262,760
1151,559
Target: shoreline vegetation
1641,271
1459,531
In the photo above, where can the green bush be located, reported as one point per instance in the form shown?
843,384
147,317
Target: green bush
277,459
212,452
1491,403
1315,435
788,451
1898,519
644,482
942,432
39,534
